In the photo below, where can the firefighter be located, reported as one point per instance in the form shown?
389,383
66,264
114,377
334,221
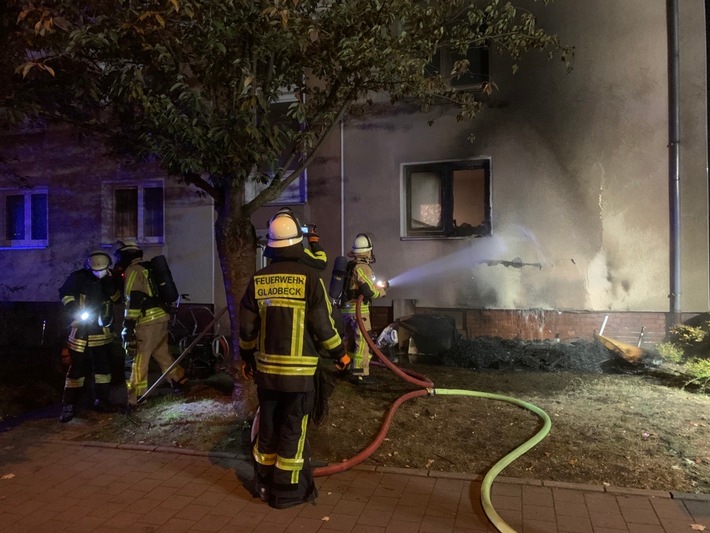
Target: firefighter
145,326
360,280
88,296
315,257
284,317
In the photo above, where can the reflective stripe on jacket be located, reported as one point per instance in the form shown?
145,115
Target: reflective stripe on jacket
284,317
141,303
362,281
95,297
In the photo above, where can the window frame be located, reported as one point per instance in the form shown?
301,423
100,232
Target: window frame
443,62
296,193
445,169
26,193
108,210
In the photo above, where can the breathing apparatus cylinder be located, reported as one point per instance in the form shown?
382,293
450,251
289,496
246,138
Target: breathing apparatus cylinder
163,278
337,280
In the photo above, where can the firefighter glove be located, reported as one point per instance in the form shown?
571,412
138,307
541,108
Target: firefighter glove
343,364
131,348
129,333
313,233
248,369
72,307
66,356
72,310
130,343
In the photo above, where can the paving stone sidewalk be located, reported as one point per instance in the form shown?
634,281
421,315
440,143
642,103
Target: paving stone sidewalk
49,483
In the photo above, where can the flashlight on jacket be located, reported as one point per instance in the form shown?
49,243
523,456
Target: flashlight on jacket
382,284
84,316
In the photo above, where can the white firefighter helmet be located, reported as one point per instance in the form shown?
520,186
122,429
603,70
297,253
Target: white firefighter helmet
362,244
128,246
98,260
284,230
126,252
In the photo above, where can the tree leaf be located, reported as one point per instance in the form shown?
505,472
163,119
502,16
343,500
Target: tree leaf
26,68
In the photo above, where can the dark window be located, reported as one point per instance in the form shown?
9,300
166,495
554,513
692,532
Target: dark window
296,192
15,228
153,212
39,217
126,213
24,218
137,212
448,199
478,72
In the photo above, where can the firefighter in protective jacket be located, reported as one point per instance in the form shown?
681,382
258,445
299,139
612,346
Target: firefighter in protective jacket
284,316
88,296
360,280
314,256
145,326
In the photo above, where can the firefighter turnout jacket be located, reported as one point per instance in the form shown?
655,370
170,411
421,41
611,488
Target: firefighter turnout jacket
141,296
84,294
285,315
360,281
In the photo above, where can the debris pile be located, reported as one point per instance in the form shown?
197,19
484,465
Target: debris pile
495,353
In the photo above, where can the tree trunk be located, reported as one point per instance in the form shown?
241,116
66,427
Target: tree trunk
236,245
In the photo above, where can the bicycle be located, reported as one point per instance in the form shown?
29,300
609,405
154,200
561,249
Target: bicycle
209,355
177,329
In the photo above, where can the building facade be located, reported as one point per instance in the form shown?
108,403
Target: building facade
554,216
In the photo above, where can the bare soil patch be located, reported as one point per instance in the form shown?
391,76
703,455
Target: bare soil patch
639,430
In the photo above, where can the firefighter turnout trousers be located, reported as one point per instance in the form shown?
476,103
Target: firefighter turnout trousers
92,356
356,344
281,452
151,341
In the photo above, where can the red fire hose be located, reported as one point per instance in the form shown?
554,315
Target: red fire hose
408,375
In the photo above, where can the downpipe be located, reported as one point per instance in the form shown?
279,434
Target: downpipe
428,389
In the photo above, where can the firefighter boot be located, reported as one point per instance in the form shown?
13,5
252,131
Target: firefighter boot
101,401
102,406
181,386
67,412
358,377
280,502
130,412
263,492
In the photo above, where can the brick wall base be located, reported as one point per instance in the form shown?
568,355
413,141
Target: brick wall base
40,323
539,324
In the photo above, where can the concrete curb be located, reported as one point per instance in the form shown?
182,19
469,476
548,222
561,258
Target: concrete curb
418,472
